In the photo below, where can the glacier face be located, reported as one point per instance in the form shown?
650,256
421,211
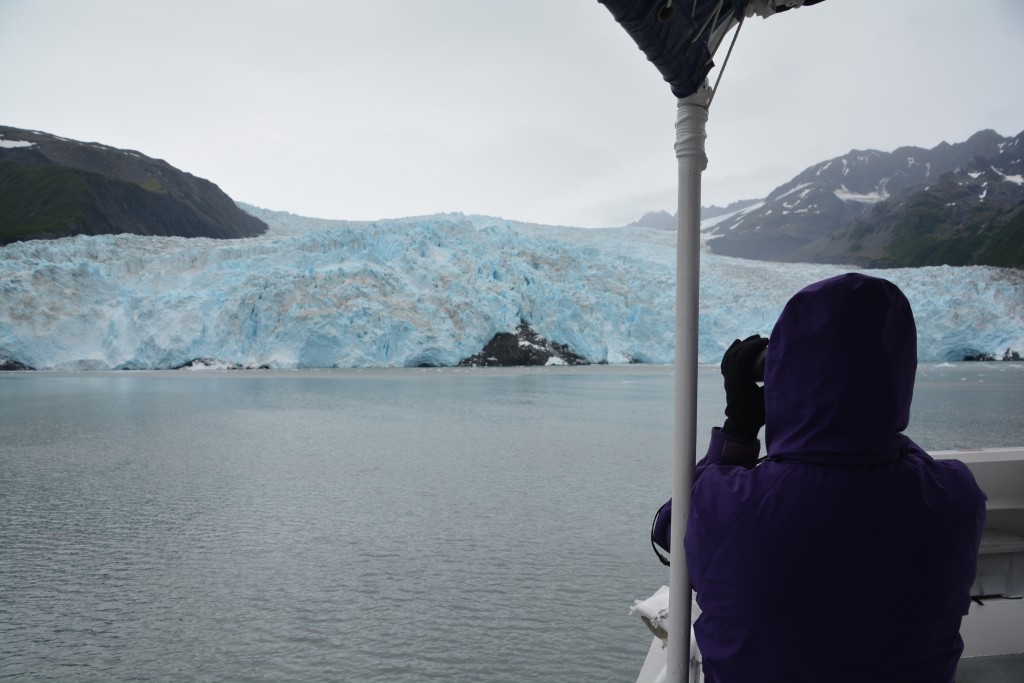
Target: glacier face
425,291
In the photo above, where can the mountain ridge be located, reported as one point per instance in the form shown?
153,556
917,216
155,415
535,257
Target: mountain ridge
53,187
954,204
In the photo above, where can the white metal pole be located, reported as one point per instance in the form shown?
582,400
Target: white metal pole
691,131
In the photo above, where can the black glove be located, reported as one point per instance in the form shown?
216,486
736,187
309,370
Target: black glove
744,400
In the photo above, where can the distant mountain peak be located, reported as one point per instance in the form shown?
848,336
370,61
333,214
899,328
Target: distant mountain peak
817,215
661,220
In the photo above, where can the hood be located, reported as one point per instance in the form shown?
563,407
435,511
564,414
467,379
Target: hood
840,368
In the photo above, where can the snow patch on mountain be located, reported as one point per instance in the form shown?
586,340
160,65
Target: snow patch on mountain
878,195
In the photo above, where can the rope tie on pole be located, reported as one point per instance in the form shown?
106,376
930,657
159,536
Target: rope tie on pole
691,126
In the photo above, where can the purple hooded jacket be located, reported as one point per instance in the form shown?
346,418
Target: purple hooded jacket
848,553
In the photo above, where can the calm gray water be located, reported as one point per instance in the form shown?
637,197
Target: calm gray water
407,525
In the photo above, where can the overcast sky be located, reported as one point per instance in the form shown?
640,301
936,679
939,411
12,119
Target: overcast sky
535,110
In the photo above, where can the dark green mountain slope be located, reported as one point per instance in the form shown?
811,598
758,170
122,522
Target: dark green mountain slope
53,187
962,219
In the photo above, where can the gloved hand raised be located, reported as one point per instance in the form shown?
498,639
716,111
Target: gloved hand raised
744,400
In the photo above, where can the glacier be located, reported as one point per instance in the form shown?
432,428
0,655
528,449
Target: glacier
426,291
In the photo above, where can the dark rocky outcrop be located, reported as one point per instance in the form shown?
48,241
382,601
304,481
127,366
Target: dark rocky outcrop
52,187
214,364
7,365
525,347
1009,354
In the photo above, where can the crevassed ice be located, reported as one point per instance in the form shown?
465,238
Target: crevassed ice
426,291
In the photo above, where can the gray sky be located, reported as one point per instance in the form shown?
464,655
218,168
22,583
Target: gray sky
535,110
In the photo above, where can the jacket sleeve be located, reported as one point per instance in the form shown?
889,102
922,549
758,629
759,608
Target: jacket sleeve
724,450
718,497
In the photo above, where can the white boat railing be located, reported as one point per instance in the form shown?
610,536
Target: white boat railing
995,624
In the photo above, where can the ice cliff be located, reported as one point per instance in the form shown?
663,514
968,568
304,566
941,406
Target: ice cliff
425,291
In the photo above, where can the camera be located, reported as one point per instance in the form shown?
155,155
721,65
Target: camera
759,365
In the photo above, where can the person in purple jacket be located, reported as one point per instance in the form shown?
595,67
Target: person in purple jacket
848,553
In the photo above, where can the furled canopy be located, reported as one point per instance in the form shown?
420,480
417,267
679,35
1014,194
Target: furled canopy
680,37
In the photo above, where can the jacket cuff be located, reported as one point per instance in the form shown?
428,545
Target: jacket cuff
732,451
